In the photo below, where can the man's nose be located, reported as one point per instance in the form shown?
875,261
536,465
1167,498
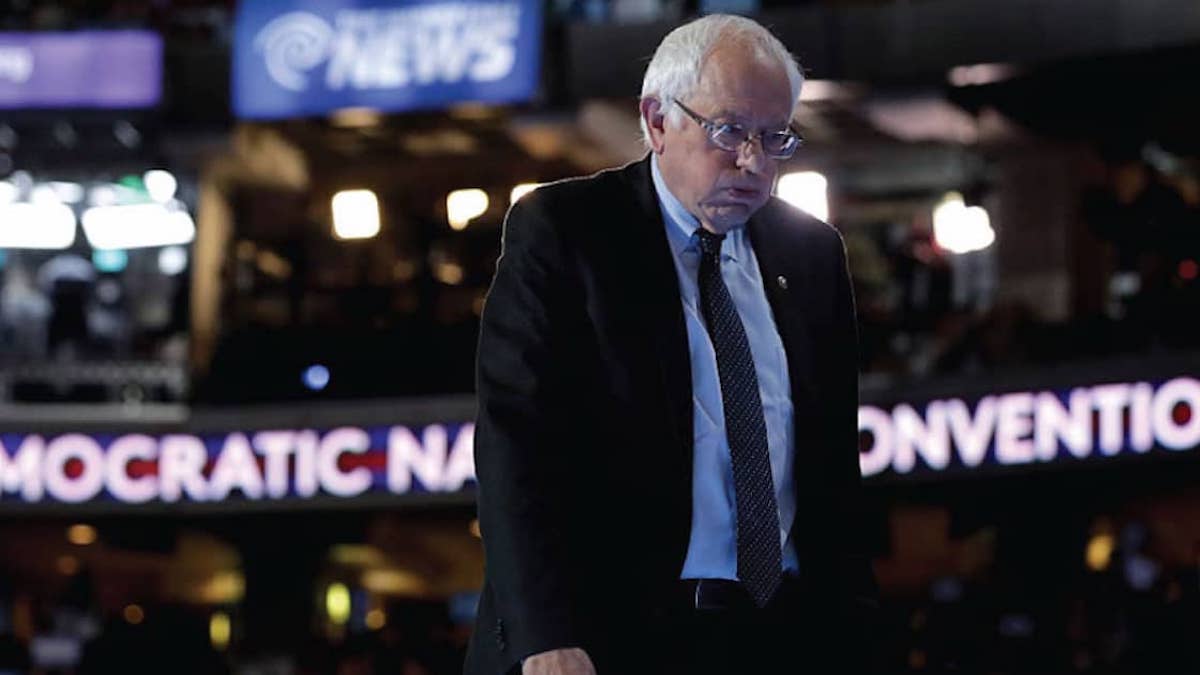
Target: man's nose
750,156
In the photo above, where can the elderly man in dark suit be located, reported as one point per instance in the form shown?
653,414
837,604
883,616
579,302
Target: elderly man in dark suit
667,445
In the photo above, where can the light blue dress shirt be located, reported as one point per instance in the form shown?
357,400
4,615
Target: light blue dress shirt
712,548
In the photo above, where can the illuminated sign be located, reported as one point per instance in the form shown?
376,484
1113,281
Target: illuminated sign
345,462
1031,427
941,437
85,69
304,57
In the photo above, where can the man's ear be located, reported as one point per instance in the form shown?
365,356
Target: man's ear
655,119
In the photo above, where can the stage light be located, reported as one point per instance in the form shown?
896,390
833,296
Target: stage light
355,214
43,193
376,618
337,603
137,226
520,190
68,192
81,534
134,614
172,260
1099,551
160,185
102,195
464,205
449,273
316,377
36,226
220,629
806,190
110,260
67,565
392,582
959,228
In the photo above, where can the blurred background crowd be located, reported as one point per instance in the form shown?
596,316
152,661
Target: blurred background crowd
244,247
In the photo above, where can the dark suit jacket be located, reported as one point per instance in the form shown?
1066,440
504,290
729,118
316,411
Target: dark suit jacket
583,445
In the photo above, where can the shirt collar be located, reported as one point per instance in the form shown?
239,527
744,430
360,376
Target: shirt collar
681,224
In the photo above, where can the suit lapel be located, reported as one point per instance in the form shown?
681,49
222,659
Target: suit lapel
788,288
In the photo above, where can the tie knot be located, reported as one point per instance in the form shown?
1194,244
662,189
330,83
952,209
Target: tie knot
710,243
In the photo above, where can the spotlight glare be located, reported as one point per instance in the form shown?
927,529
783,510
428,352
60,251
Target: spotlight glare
316,377
81,534
337,603
959,228
520,190
219,630
172,260
355,214
464,205
806,190
160,185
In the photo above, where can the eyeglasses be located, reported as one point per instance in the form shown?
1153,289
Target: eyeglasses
778,144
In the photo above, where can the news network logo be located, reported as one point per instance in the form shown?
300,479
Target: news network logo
371,49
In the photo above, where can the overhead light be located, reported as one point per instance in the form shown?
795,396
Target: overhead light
376,619
36,226
391,581
44,194
449,273
355,214
172,260
102,195
134,614
356,117
980,73
316,377
337,603
110,260
959,228
806,190
137,226
521,190
160,185
81,534
464,205
67,192
360,555
1099,551
220,629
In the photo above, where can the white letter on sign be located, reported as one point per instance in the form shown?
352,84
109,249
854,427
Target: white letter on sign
120,484
350,483
90,480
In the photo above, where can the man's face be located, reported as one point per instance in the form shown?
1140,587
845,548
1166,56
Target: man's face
723,188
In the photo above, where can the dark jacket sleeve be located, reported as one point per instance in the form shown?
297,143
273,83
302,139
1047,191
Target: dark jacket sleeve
521,435
858,587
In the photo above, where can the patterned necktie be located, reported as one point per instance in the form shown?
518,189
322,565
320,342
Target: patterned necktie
759,560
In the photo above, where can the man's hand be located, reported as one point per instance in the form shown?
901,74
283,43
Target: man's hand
572,661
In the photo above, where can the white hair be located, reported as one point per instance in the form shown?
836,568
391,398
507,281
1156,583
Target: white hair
674,71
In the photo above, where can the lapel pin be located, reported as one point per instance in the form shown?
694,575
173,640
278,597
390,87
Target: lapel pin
782,281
